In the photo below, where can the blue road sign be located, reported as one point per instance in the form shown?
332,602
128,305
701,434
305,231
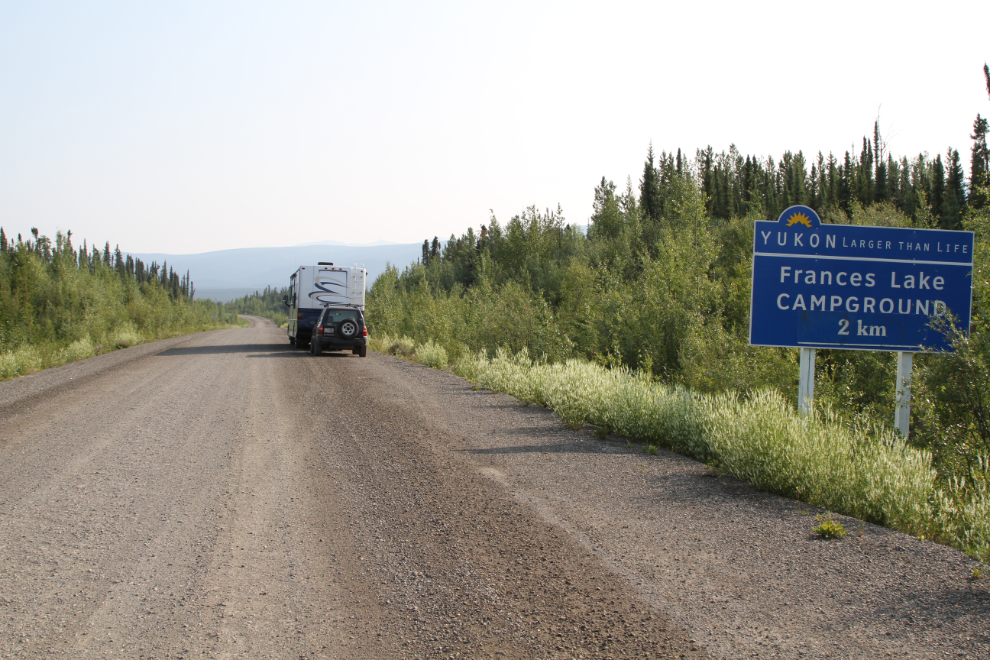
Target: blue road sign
853,287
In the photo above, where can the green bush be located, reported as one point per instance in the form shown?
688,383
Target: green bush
24,360
432,355
392,344
77,350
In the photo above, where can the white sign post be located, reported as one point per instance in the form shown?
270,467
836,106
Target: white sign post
806,381
902,396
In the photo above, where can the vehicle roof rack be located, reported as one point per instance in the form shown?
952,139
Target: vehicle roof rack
325,263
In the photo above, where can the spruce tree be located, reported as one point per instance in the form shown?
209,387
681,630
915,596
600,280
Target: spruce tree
426,253
173,279
769,189
118,263
845,196
832,199
954,199
724,191
819,189
938,187
892,177
881,193
906,194
747,180
3,241
107,256
795,177
705,159
650,200
864,173
979,165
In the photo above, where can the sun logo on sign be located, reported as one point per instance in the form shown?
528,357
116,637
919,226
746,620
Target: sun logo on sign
799,219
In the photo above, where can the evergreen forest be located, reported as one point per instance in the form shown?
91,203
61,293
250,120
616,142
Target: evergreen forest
59,303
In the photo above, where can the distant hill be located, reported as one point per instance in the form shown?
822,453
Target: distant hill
373,243
228,274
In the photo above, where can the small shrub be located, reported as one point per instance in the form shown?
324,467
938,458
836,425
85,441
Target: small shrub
124,335
79,350
392,344
380,342
432,355
403,347
828,527
8,365
24,360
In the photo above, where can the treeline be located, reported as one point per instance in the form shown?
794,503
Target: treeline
178,287
267,303
59,303
932,192
660,283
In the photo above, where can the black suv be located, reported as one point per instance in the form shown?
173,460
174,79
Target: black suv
339,329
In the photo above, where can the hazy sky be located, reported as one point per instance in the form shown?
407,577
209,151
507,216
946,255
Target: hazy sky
191,126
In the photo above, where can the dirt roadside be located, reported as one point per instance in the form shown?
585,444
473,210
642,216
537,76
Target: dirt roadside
228,496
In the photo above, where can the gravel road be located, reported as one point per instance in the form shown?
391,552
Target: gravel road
224,495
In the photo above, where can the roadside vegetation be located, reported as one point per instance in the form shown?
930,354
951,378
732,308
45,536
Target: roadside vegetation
638,324
59,304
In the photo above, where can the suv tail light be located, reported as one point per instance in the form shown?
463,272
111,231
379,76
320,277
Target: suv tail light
364,331
299,316
319,330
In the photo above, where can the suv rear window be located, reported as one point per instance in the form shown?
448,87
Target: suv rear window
336,316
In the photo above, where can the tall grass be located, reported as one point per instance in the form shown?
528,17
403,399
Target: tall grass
869,473
429,353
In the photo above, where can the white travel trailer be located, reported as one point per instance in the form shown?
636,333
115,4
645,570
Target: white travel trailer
311,288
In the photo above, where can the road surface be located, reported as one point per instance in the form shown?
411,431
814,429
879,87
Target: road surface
227,496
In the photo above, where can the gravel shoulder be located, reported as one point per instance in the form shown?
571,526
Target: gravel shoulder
739,569
225,495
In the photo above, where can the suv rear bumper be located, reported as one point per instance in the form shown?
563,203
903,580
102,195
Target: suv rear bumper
329,341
